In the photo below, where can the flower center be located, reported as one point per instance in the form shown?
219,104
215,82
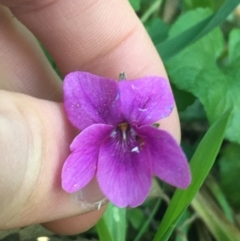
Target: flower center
128,138
124,127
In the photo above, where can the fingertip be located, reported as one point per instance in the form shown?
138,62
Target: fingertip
77,224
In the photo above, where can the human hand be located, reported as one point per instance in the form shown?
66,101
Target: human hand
101,37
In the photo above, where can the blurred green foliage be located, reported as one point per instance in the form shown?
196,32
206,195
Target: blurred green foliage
229,173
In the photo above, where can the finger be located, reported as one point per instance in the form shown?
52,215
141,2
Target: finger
71,225
23,63
33,148
103,37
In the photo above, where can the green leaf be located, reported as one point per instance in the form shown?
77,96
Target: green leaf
234,45
195,70
113,224
157,29
195,112
213,4
229,173
200,164
183,98
136,4
172,46
103,230
189,19
136,217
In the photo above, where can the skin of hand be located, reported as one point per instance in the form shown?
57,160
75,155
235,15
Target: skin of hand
102,37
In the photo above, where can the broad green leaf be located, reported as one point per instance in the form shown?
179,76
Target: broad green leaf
136,4
113,223
194,112
136,217
195,70
229,173
213,4
183,98
103,230
157,29
234,45
191,4
173,46
200,164
189,19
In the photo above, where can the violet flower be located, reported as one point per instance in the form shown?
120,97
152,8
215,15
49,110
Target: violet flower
118,143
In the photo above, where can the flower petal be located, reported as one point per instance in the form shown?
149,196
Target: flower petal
90,99
124,173
81,165
168,160
146,100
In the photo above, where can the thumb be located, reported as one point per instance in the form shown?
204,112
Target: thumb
35,138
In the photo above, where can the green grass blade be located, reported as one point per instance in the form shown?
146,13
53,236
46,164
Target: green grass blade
201,164
214,218
174,45
148,221
220,197
103,231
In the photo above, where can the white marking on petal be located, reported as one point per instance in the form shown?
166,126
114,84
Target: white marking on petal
135,149
124,135
113,133
117,96
140,109
134,87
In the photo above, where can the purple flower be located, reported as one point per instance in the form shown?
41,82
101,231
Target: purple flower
118,143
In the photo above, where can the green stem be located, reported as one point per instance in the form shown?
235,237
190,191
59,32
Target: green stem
156,5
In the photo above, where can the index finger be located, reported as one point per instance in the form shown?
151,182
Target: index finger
102,37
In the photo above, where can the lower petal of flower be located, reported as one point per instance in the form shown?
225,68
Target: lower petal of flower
124,172
168,160
81,165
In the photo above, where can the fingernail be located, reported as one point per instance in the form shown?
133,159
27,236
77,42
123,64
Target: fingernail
90,195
